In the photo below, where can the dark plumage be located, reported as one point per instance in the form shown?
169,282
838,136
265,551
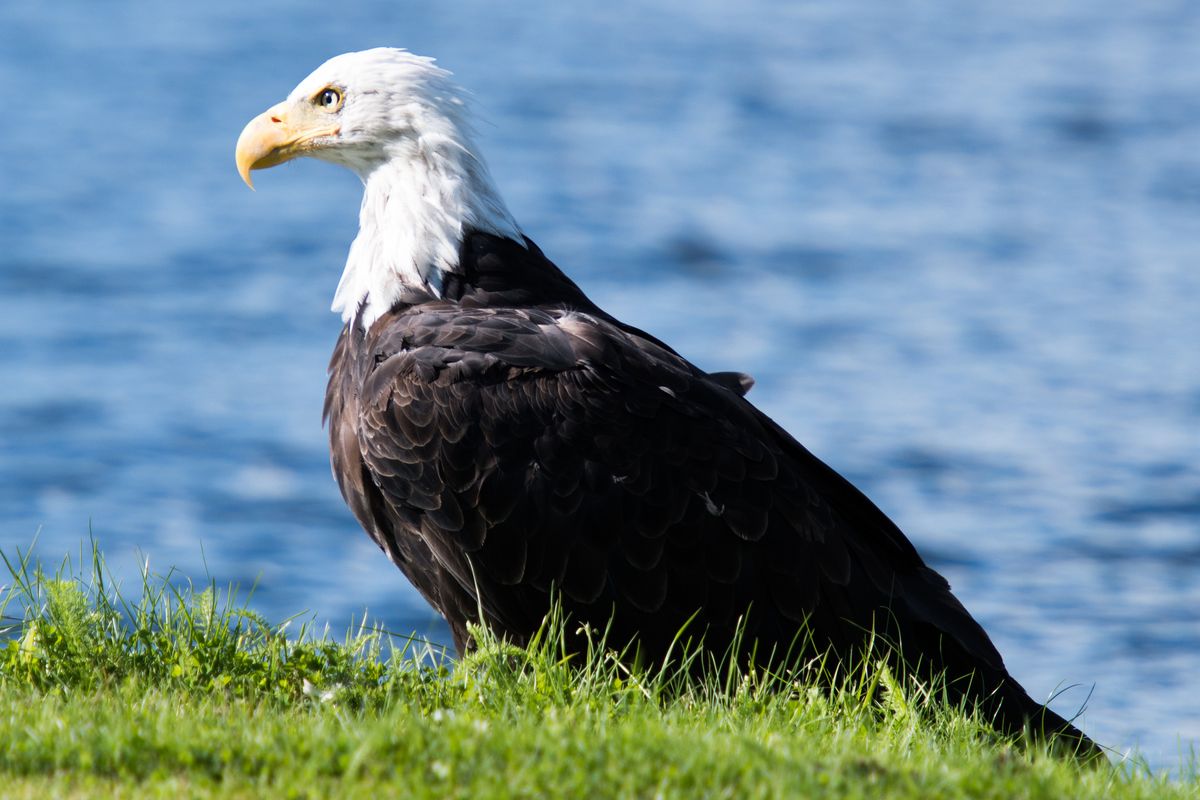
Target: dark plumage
512,437
502,439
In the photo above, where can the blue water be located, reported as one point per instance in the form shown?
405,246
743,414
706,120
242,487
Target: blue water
958,248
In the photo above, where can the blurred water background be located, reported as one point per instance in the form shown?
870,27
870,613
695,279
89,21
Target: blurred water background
959,248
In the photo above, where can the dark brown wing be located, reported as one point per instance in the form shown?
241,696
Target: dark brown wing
506,452
554,448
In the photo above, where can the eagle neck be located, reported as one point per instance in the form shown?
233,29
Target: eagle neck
417,205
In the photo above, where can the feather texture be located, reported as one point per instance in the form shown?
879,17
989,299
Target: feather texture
513,439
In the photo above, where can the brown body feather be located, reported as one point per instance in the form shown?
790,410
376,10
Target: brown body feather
510,438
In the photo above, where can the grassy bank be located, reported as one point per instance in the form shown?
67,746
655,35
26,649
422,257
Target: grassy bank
182,691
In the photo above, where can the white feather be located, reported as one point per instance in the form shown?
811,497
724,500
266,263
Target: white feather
405,131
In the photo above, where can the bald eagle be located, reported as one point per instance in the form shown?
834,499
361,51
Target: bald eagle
505,441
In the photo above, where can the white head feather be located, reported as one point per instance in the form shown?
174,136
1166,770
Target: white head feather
404,130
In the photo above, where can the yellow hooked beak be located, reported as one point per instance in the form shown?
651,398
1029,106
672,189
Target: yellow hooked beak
279,134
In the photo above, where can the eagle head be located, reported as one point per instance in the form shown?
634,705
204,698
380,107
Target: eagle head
399,122
359,110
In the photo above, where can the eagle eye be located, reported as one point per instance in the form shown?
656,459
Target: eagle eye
329,99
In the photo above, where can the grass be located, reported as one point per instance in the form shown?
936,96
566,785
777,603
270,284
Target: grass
183,691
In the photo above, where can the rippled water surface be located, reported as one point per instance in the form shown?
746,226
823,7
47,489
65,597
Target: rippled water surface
959,251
